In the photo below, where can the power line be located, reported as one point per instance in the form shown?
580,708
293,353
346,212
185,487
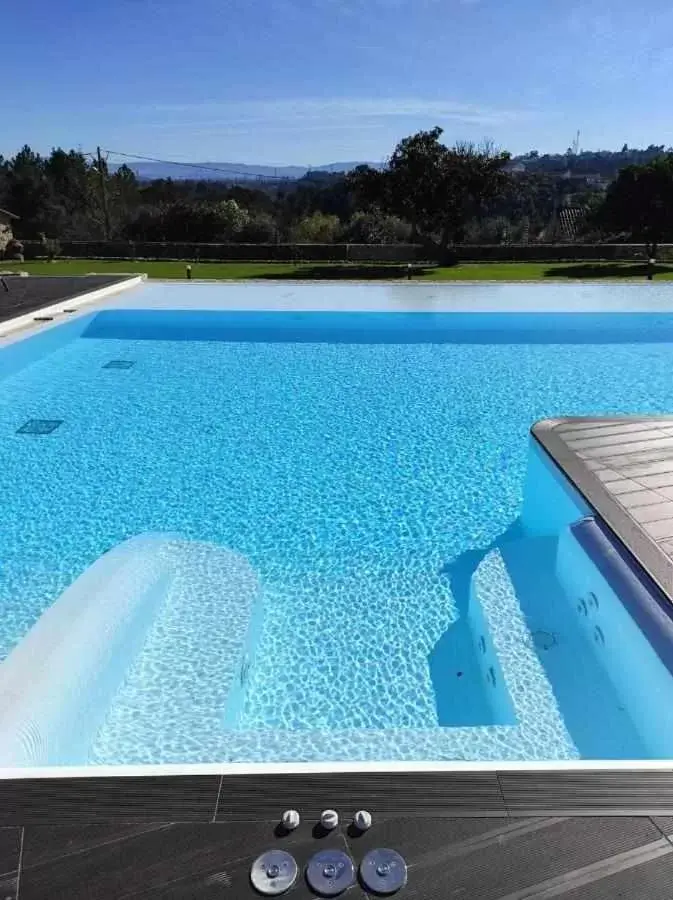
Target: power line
172,162
103,193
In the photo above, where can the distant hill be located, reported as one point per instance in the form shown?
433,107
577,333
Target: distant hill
604,164
224,171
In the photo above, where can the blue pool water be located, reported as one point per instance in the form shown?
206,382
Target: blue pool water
361,469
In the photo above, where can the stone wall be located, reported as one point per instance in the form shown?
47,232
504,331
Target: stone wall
5,232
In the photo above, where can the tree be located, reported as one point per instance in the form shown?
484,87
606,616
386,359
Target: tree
317,229
28,192
374,227
123,197
435,188
260,229
230,219
640,202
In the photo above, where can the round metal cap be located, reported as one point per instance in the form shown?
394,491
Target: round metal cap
383,871
290,819
330,872
273,873
329,819
362,820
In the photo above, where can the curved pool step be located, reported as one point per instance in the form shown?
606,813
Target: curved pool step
60,683
187,685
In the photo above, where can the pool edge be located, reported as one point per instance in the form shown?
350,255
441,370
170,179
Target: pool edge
30,322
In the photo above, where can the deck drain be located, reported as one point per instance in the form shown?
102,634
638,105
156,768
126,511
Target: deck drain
40,426
119,364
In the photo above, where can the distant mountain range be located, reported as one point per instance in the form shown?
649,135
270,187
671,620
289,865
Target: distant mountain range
225,171
602,163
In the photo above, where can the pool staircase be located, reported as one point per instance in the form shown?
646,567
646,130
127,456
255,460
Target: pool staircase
586,696
63,681
599,634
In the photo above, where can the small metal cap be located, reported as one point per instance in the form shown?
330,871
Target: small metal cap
330,872
383,871
329,819
290,819
362,820
273,873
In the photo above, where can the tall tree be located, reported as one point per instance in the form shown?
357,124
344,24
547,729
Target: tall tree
28,191
640,202
435,188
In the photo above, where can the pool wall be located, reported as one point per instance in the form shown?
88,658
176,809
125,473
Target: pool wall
639,676
624,615
379,327
550,502
17,354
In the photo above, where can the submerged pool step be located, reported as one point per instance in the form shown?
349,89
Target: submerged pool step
188,682
540,731
56,683
87,655
587,699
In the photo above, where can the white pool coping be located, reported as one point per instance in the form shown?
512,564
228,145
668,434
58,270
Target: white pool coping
139,292
63,309
336,768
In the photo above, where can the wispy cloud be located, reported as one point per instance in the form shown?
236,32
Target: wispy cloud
322,113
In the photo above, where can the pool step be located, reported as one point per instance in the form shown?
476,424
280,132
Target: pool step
57,682
540,731
586,697
188,681
155,630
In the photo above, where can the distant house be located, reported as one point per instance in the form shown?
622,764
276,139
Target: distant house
599,182
6,233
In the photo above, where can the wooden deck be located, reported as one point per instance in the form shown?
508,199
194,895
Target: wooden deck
624,468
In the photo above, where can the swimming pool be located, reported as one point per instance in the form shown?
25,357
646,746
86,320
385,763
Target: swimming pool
305,535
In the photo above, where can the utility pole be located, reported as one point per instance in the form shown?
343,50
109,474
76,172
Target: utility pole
103,194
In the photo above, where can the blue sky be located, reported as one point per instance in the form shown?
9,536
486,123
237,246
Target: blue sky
316,81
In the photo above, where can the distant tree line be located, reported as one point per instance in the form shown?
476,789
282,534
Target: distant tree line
427,192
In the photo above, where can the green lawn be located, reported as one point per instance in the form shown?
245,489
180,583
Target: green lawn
331,271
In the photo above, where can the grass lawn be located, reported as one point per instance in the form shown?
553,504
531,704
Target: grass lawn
340,271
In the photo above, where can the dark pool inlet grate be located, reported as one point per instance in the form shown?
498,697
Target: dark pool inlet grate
40,426
119,364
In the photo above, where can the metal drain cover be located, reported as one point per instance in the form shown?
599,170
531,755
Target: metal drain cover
544,640
273,873
383,871
40,426
119,364
330,872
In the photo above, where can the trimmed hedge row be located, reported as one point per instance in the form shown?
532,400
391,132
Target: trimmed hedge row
233,252
393,253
